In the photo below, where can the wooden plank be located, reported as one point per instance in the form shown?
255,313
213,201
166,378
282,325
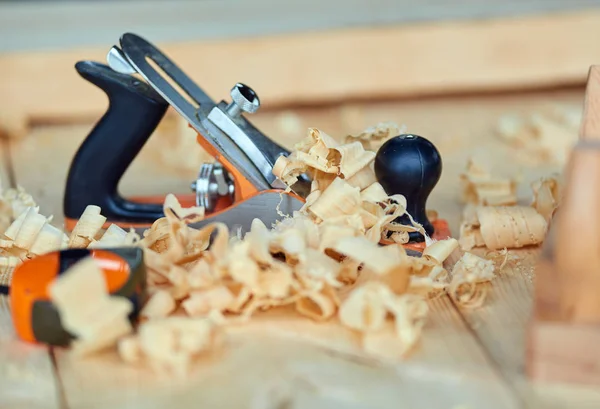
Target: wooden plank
567,311
27,376
576,261
59,25
320,365
590,125
329,66
502,322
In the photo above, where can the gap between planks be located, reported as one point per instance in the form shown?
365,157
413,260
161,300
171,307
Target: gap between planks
27,374
499,325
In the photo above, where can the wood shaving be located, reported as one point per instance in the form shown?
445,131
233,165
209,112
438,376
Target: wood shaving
12,203
86,309
367,308
479,187
161,304
546,196
31,234
499,227
469,271
546,136
169,345
375,136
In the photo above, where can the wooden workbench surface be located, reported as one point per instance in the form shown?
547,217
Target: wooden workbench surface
466,359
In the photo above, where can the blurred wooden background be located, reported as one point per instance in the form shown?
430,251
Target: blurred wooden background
55,24
297,53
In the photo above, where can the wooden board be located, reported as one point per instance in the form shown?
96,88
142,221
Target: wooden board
329,66
566,316
501,324
27,375
468,358
320,363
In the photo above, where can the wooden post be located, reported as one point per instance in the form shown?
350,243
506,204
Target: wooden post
564,335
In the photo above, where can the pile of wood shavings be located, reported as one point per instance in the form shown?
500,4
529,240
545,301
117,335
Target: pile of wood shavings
31,234
325,260
493,219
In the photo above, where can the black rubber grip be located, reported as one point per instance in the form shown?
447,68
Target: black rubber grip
134,111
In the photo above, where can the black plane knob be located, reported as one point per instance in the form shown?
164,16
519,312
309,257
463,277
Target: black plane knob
410,165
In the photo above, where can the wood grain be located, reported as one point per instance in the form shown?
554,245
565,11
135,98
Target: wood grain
501,323
590,125
27,376
310,364
330,66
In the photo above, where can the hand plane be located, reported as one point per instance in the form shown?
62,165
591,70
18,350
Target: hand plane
141,82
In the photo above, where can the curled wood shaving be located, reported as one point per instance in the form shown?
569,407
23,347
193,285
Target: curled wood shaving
87,310
433,283
410,314
366,307
469,271
498,227
339,198
172,209
480,188
114,236
161,304
90,223
546,196
440,250
373,137
31,234
169,344
13,202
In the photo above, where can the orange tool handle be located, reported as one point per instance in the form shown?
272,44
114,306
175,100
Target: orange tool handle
35,318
